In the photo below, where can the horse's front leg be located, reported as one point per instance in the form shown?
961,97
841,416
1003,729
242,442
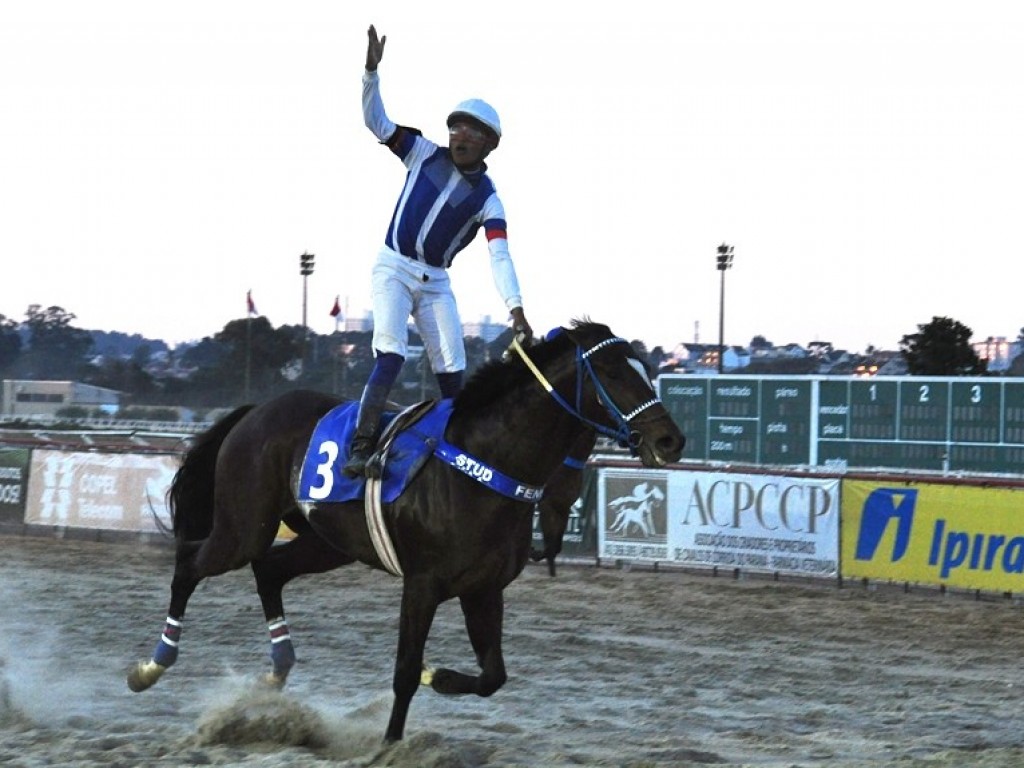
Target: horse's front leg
484,613
419,604
553,514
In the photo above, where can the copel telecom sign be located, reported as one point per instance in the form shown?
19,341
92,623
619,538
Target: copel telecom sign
935,534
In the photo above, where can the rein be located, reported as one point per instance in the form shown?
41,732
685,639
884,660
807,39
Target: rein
622,433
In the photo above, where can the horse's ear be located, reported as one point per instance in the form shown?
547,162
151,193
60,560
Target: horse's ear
554,333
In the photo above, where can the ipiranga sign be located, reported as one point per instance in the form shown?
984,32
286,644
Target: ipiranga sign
933,533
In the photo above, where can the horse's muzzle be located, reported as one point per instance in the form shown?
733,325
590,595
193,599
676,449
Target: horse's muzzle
665,448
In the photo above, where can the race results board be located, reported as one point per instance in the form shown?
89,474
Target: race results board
971,424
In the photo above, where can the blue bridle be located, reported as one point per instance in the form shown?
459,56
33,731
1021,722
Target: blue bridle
622,433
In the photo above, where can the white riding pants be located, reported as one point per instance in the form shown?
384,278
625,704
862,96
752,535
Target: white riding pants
403,288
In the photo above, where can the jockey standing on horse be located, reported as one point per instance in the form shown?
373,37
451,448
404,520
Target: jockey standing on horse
447,198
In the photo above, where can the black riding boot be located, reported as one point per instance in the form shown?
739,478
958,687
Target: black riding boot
371,405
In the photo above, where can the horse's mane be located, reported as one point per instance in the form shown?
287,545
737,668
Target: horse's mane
494,379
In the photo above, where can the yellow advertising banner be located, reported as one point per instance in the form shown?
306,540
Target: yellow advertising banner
929,533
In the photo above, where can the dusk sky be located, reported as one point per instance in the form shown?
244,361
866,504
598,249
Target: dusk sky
864,159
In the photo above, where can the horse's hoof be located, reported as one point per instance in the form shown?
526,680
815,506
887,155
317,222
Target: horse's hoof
272,680
144,674
427,676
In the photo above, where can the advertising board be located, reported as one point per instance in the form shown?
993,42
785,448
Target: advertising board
99,491
13,482
769,523
929,533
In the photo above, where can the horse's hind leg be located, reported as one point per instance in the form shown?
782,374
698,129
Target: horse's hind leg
306,553
183,584
484,613
220,552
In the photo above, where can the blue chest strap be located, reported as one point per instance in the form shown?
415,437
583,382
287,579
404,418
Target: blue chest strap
486,475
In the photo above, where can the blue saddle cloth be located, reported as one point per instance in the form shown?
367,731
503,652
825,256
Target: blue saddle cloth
321,479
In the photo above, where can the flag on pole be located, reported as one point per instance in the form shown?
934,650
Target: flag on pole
250,304
336,312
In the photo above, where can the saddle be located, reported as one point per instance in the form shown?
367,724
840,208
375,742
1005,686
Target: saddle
402,421
408,439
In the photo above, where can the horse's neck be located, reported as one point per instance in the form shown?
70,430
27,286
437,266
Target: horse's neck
528,440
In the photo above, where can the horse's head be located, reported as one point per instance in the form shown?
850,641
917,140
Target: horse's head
614,395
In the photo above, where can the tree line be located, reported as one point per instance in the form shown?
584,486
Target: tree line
249,360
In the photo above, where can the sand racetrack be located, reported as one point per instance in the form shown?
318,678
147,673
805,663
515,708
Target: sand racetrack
606,667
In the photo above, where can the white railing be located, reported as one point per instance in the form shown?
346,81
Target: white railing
117,425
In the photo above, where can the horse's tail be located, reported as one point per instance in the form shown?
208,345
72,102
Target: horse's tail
190,498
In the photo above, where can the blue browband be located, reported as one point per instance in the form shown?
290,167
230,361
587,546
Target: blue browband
469,465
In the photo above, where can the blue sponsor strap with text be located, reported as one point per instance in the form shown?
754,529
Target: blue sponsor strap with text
487,475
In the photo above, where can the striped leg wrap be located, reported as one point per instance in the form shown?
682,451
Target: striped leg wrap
282,654
166,652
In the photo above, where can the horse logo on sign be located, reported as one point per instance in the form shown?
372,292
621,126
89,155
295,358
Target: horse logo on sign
637,513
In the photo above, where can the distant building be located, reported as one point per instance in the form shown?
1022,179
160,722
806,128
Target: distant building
997,352
483,328
820,349
703,358
46,398
357,324
881,363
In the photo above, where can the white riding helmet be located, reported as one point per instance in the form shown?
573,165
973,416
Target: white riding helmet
478,110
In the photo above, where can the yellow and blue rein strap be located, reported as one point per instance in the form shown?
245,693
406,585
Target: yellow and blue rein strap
622,434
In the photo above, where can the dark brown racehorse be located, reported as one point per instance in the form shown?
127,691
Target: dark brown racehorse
453,535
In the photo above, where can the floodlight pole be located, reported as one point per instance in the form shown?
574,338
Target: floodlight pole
305,269
724,262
